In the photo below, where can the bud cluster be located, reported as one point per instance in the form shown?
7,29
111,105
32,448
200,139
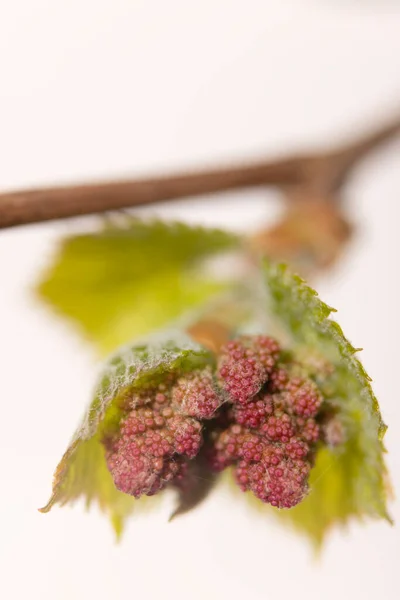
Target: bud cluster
159,433
252,414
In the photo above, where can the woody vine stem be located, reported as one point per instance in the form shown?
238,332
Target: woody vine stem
322,175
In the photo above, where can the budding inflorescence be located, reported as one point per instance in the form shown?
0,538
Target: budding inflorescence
153,445
253,413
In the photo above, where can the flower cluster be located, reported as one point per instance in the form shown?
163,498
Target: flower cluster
253,414
245,365
153,445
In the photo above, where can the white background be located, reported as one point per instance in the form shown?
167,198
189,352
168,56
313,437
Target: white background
91,89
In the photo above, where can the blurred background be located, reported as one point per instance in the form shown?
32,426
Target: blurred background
91,90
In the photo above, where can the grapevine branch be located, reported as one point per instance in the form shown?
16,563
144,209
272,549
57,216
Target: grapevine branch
322,173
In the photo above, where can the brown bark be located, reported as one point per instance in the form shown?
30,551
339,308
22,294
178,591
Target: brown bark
322,173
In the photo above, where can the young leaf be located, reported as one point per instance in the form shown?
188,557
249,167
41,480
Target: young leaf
123,281
349,480
82,471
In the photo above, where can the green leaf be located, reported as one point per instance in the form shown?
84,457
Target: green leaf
350,480
82,471
123,281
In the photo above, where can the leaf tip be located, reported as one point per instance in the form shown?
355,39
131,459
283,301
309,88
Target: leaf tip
47,508
389,520
118,526
173,515
180,509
